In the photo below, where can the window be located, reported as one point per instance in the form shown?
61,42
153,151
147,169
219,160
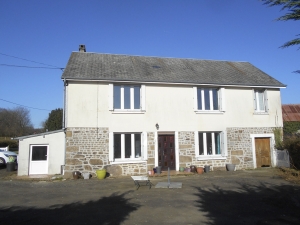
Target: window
210,144
260,101
127,146
126,97
209,99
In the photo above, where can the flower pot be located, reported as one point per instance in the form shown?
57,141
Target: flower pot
230,167
181,169
206,169
10,166
158,169
101,174
187,170
76,175
193,169
200,170
86,176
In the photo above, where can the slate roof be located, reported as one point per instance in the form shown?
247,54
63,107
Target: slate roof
291,112
109,67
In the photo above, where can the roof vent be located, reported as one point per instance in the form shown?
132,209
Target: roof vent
82,48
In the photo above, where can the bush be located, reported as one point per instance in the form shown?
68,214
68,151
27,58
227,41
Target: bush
292,144
10,143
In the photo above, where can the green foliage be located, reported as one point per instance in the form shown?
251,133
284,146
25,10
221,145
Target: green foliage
291,127
292,144
54,121
7,142
11,159
278,138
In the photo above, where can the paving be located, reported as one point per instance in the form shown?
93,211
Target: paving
241,197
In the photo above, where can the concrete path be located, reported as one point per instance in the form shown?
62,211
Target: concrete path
240,197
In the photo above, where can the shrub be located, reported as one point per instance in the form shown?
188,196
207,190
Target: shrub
292,144
10,143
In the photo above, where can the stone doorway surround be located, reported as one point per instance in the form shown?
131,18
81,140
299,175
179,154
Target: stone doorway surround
272,143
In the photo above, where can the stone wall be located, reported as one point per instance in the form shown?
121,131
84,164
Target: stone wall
86,149
240,147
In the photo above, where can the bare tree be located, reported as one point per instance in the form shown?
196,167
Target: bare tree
15,122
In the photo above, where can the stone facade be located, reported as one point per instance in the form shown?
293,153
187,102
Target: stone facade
240,147
86,149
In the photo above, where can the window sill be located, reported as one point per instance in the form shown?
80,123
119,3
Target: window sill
128,161
209,112
206,157
128,112
260,113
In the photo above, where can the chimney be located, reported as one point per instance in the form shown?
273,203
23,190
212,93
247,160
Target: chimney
82,48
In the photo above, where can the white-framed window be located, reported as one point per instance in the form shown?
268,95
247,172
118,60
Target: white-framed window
124,147
210,145
209,99
260,101
126,98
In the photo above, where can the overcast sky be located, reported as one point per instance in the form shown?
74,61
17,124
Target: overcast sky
48,31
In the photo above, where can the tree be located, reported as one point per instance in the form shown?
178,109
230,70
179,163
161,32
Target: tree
293,14
15,122
54,121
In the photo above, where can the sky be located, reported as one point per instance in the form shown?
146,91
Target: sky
37,33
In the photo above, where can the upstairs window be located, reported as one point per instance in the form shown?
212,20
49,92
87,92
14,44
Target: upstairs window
209,99
126,97
260,101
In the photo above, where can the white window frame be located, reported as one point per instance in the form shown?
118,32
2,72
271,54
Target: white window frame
142,108
223,146
256,101
221,100
132,159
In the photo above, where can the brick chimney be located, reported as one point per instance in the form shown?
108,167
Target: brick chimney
82,48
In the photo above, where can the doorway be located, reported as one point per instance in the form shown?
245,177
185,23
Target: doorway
38,159
262,152
166,152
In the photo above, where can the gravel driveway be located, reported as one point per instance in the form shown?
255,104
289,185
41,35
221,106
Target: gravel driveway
240,197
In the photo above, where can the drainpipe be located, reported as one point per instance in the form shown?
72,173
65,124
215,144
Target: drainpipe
63,125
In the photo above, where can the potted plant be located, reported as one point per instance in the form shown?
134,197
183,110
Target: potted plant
11,164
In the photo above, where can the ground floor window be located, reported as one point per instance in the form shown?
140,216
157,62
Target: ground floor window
127,146
210,144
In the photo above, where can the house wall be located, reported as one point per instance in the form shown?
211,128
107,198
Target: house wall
169,106
172,107
56,155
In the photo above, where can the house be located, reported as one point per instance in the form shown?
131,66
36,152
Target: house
133,113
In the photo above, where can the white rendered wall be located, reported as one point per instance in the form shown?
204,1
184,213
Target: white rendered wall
170,106
56,155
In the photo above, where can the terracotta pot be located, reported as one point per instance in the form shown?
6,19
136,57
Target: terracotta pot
200,170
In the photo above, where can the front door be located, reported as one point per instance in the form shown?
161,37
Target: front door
262,150
166,152
38,159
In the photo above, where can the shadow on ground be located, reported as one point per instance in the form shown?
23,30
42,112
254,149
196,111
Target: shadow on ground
107,210
256,204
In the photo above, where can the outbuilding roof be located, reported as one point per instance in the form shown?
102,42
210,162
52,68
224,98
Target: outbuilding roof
118,68
291,112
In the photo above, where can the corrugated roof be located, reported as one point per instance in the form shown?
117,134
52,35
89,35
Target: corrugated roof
291,112
94,66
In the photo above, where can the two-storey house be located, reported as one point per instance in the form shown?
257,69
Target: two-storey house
133,113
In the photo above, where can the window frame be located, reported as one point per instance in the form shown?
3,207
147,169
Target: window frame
220,99
256,102
132,159
223,146
122,108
